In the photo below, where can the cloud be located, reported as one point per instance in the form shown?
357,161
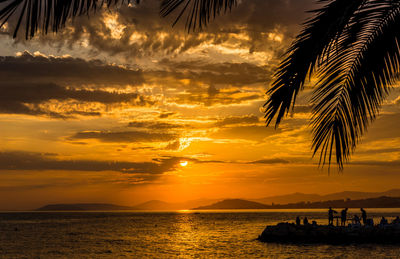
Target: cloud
226,73
385,127
175,145
38,93
391,163
211,96
154,125
139,32
182,83
88,88
252,133
376,151
303,109
39,99
211,66
125,136
19,160
165,115
234,120
270,161
66,70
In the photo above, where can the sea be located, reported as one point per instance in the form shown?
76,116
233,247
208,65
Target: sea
174,234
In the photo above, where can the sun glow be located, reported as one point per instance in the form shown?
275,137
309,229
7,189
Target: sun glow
184,163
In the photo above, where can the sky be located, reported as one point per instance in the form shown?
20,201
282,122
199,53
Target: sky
124,108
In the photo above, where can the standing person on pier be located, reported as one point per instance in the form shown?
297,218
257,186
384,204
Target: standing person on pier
363,216
330,216
343,217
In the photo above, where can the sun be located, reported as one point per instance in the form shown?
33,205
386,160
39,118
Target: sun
184,163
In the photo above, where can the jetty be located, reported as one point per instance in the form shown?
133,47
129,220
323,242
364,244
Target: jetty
313,233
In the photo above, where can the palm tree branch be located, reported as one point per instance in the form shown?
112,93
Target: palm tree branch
311,47
199,12
355,82
43,15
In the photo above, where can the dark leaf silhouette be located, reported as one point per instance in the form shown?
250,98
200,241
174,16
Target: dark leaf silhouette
48,15
199,12
352,48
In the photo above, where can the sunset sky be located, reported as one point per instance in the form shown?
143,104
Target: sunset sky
123,108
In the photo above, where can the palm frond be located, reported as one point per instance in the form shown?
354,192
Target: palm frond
355,80
199,12
47,15
311,46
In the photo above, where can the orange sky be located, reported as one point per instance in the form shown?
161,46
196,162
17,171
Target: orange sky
109,110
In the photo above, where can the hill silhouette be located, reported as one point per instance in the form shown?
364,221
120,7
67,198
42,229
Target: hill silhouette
299,197
281,199
295,200
380,202
233,204
150,205
162,205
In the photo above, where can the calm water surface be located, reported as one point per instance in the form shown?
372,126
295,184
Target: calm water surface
220,234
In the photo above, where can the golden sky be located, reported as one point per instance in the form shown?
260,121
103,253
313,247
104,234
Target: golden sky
123,108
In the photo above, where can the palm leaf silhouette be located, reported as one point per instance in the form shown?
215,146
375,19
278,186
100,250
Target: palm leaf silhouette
356,59
199,12
48,14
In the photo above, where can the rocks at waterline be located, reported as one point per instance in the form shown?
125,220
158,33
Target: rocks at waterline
291,233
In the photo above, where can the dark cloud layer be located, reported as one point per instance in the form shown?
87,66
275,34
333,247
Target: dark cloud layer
144,34
234,74
21,160
18,160
212,96
28,84
231,122
28,80
392,163
25,98
254,18
154,125
65,70
248,119
253,133
125,136
270,161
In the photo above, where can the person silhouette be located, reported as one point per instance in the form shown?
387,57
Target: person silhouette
305,221
343,217
383,221
297,221
364,216
330,216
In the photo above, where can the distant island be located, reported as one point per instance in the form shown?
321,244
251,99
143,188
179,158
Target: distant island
380,202
303,197
234,204
387,199
162,205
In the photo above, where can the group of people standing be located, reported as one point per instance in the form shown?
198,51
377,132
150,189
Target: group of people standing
343,217
356,220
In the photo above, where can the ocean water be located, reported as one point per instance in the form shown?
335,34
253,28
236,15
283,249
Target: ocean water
183,234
